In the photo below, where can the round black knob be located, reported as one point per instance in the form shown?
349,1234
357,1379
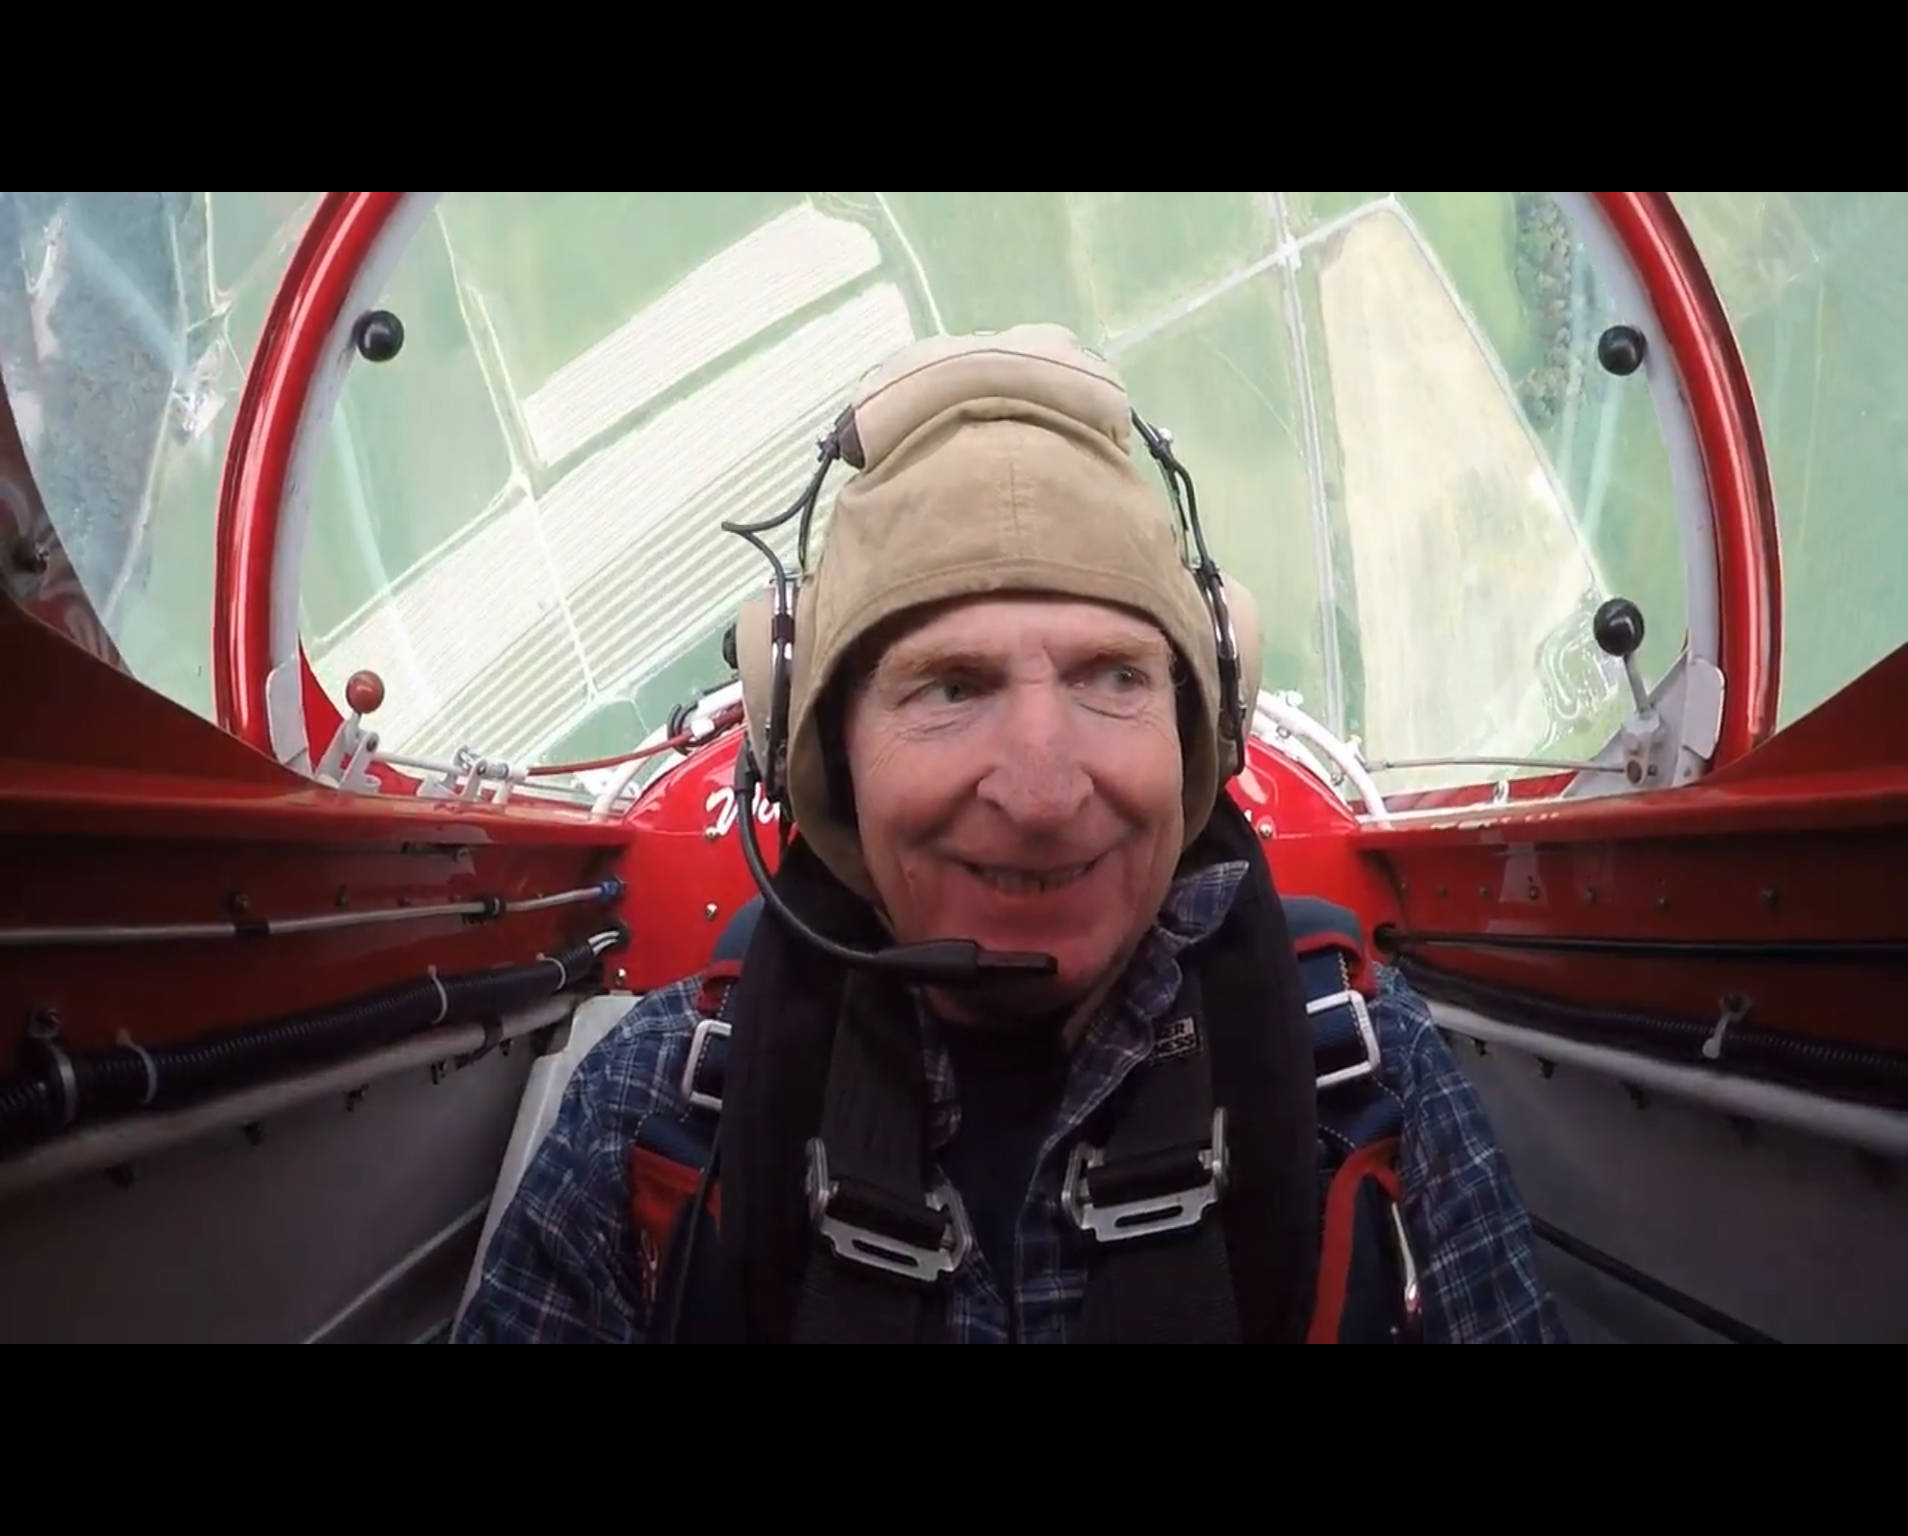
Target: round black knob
379,335
728,646
1620,349
1618,627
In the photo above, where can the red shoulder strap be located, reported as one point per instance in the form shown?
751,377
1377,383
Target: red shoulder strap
1375,1160
717,978
659,1187
1358,972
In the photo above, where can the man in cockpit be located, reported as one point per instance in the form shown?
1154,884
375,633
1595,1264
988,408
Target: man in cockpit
1020,1049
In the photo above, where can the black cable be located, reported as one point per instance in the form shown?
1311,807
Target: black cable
128,1077
1680,1302
1763,1053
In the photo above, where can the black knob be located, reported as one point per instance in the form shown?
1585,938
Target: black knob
1620,349
379,335
1618,628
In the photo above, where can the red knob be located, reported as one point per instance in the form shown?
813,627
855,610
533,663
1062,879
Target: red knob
364,692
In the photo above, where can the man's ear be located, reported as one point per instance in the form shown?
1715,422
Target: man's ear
831,719
1186,710
753,667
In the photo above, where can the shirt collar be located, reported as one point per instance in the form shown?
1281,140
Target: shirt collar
1122,1034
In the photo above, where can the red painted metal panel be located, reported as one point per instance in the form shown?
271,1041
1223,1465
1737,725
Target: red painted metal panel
91,835
167,991
687,874
1802,841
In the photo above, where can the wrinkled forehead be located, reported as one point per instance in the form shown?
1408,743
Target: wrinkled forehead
1002,626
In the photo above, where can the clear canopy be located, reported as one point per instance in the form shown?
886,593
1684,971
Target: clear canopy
1390,403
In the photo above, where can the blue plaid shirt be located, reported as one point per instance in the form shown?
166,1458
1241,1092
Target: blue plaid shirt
564,1265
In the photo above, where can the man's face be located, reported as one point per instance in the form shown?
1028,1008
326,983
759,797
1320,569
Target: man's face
1018,779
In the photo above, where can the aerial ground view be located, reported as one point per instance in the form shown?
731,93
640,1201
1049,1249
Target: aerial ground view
1390,403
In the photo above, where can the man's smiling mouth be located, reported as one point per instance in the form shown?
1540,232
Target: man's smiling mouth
1023,882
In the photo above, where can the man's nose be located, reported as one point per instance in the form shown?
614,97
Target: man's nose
1038,777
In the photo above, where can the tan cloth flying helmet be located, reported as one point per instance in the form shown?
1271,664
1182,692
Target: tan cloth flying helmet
988,464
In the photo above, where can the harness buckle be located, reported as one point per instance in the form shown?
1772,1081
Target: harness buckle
706,1029
886,1240
1353,999
1412,1327
1149,1209
1412,1311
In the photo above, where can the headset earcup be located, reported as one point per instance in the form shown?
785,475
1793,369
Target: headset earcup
1250,635
753,664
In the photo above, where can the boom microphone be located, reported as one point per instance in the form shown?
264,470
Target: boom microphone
934,962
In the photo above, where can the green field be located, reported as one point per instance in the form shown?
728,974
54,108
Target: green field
514,520
1225,381
573,265
1818,294
1309,210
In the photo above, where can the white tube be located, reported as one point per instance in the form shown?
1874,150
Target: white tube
16,938
1267,730
1306,728
394,1276
700,726
111,1143
537,1110
1858,1125
506,779
713,703
613,791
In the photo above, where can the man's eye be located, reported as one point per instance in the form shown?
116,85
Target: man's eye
1119,677
949,690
